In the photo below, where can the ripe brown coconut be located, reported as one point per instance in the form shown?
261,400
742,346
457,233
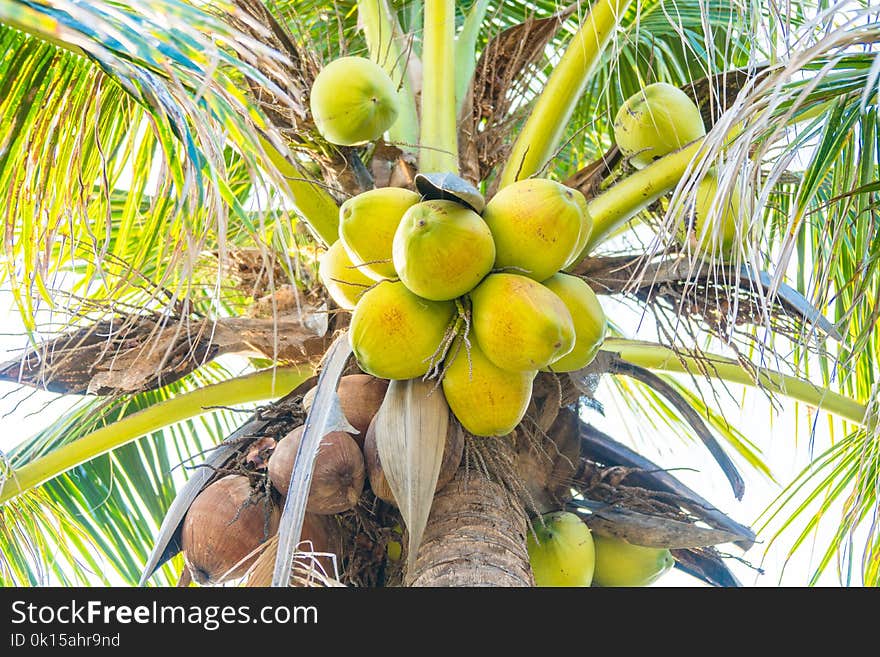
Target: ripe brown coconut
360,396
337,479
225,523
320,534
452,454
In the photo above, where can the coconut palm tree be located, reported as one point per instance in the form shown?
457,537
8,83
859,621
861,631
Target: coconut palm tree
167,196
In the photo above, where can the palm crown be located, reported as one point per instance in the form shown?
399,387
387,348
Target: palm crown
167,195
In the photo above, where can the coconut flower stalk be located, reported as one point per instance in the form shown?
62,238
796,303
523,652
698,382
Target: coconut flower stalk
546,124
439,138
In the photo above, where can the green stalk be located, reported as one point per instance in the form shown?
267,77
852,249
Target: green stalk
384,41
545,127
615,206
267,384
312,201
439,141
659,358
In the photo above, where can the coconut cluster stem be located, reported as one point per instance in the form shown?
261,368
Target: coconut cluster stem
267,384
439,140
623,201
312,201
663,359
545,127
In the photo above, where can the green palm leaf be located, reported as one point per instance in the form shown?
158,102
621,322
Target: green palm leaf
110,507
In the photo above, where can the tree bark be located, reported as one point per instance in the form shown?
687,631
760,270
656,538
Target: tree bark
476,536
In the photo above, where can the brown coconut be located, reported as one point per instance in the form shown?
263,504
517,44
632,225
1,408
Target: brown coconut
338,476
360,396
225,523
452,454
319,534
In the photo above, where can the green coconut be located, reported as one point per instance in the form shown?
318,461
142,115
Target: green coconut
353,101
655,121
619,563
520,324
537,225
561,551
396,334
713,231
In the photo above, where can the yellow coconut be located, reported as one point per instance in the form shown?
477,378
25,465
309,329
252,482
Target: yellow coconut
487,400
367,223
583,238
619,563
395,334
589,321
561,551
712,231
655,121
343,280
353,101
442,250
519,324
537,225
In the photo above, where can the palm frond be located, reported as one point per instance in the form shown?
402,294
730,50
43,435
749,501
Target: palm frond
829,502
656,417
142,98
96,523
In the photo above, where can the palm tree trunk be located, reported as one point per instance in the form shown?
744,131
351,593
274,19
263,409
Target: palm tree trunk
476,536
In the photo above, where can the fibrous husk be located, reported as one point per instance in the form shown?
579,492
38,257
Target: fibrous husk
226,522
452,454
546,464
315,562
338,476
411,429
360,396
275,419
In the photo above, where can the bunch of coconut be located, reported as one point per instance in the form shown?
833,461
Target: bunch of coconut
563,552
232,519
660,119
443,284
